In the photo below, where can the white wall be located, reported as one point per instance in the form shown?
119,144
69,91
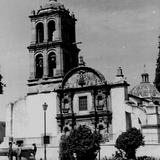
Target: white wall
118,110
20,118
28,116
8,120
138,113
36,114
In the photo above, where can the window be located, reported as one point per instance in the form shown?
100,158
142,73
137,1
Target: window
66,103
100,101
128,121
83,103
39,66
39,33
66,106
139,121
51,29
51,64
156,102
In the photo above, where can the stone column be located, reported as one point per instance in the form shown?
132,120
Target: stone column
72,111
61,114
93,92
71,103
58,32
45,64
32,64
33,32
45,31
59,61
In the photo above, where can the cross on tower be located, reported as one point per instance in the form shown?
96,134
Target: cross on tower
144,68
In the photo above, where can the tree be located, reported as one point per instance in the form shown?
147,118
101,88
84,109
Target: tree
80,144
129,141
1,84
157,75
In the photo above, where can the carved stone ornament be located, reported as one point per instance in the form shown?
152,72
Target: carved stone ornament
82,79
65,110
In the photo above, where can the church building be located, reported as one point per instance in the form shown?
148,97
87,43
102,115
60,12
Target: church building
63,92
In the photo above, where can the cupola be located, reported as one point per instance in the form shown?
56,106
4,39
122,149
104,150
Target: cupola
145,89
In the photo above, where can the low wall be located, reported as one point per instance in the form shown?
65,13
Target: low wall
152,150
149,150
107,150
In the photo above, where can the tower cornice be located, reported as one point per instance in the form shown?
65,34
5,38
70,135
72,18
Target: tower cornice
59,13
44,45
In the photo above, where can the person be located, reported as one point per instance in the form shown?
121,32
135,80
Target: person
34,149
10,152
18,151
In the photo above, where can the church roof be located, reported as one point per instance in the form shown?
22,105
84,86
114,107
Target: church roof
53,4
145,89
50,6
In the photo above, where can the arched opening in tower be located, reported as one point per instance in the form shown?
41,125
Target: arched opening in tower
39,66
51,64
51,31
39,33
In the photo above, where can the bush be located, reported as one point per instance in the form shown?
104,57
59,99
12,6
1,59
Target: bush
81,143
129,141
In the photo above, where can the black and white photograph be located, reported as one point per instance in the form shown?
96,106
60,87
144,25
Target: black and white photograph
80,80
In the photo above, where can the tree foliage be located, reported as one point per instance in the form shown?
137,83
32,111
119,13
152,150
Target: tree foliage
129,141
81,142
157,75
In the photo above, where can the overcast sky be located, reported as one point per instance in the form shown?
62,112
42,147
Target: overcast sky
113,33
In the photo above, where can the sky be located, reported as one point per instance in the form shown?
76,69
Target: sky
113,33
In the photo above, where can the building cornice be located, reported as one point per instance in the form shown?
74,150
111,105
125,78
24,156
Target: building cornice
36,46
151,126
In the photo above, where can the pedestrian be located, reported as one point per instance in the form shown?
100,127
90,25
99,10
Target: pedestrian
34,148
10,151
18,151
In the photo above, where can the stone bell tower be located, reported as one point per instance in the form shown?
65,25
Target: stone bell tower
53,51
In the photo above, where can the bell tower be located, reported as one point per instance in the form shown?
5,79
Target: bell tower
53,51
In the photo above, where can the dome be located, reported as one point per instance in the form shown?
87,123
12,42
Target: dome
145,89
52,5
